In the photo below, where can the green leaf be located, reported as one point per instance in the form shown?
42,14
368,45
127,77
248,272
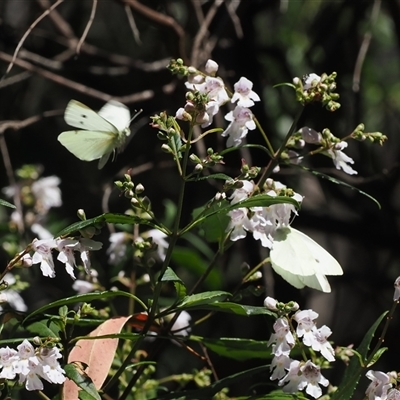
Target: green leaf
170,276
238,349
80,298
6,204
83,381
354,370
338,182
212,176
377,356
44,328
200,299
110,218
233,308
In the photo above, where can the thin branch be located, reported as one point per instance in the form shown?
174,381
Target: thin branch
132,98
232,6
203,31
88,26
132,24
161,19
21,42
364,47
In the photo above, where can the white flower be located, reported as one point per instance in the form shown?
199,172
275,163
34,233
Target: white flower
181,325
25,352
313,377
40,231
118,247
340,159
242,193
47,193
43,256
51,369
306,325
159,239
241,121
396,294
321,344
238,224
66,255
31,378
310,135
211,67
262,226
310,80
279,364
244,94
378,388
11,296
82,286
86,245
282,338
294,379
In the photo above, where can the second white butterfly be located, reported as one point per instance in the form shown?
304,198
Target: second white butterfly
99,133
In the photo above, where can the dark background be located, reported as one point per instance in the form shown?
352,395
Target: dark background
269,42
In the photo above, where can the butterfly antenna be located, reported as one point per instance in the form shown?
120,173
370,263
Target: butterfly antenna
136,114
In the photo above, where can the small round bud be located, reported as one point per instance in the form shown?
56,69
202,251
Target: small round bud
81,214
270,303
198,168
139,188
211,67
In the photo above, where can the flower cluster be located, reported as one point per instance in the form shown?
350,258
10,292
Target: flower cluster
66,247
381,387
294,375
31,364
261,221
209,94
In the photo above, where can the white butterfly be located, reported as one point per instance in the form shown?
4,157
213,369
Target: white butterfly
301,261
100,133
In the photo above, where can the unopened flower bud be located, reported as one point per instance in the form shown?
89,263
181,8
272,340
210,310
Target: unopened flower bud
139,188
198,168
310,135
270,303
211,67
81,214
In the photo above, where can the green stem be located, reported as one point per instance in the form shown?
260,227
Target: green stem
275,159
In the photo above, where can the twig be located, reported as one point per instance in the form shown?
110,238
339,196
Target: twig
21,42
364,47
203,31
15,79
162,20
132,24
87,28
133,98
232,6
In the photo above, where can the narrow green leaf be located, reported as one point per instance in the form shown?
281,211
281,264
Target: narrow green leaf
377,356
338,182
233,308
82,380
80,298
354,370
204,298
238,349
212,176
6,204
44,328
110,218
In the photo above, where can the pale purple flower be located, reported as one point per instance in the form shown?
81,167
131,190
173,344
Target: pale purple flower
242,193
7,358
293,379
244,95
66,248
238,224
279,364
241,119
282,338
310,135
159,239
393,394
378,388
321,344
118,247
306,325
86,245
313,377
43,256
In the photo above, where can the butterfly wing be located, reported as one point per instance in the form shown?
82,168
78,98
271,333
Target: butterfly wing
81,116
89,145
117,114
301,261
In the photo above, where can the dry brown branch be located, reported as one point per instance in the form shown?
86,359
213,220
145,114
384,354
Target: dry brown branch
197,57
87,28
232,6
198,11
133,98
161,19
15,79
21,42
132,24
